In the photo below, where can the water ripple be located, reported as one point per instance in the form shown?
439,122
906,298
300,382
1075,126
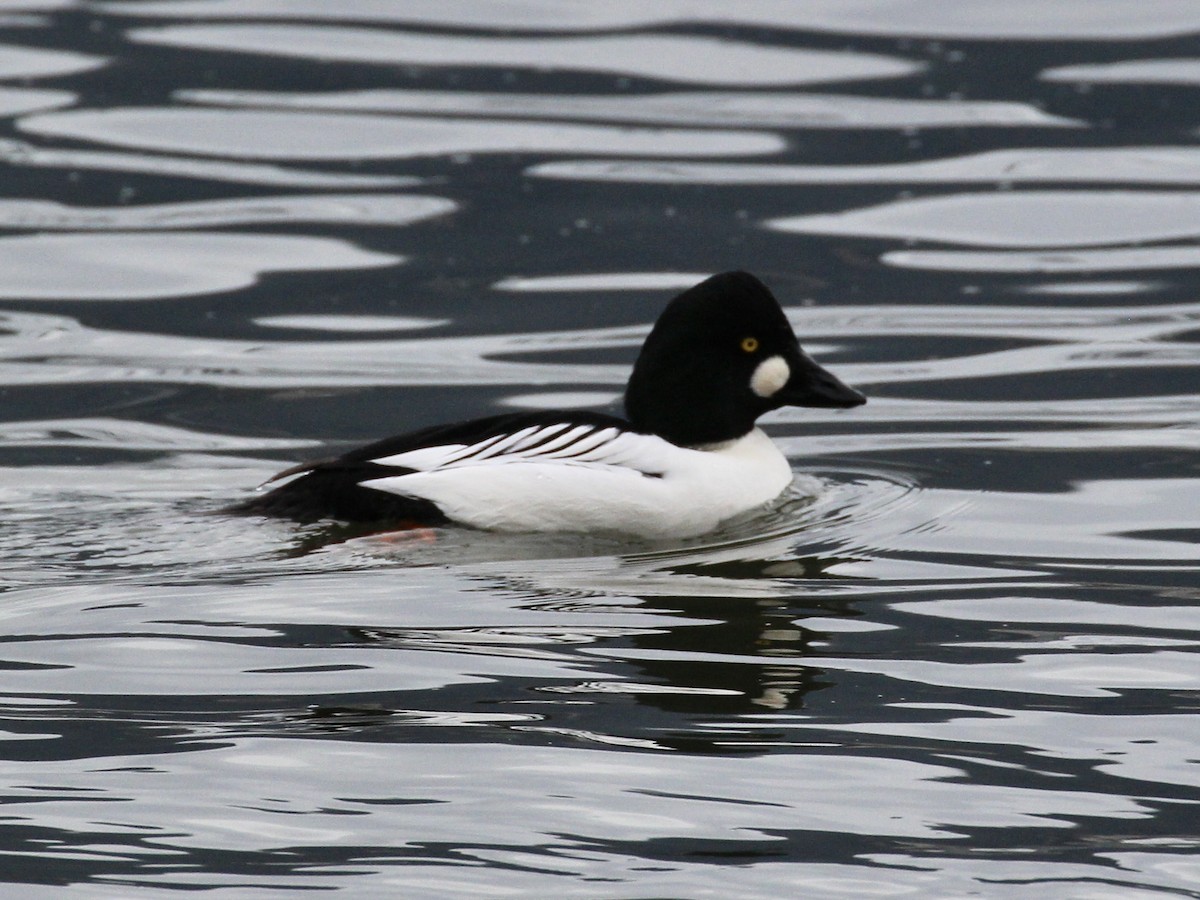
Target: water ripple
30,62
136,266
1059,262
392,210
1028,20
19,101
1111,337
281,135
1138,71
1052,219
1073,165
958,658
691,59
20,153
749,109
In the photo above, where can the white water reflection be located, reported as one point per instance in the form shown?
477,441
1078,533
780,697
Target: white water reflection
265,134
357,209
1095,288
1021,19
1162,868
612,281
1137,71
1119,259
563,399
126,435
30,62
162,666
350,323
1059,611
689,59
19,101
20,153
724,109
139,266
22,6
1018,219
1126,165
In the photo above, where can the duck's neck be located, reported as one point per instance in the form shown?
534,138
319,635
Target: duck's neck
685,412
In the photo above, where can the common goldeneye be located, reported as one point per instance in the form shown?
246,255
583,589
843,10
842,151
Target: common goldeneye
689,456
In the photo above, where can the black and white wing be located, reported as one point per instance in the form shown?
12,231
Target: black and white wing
394,479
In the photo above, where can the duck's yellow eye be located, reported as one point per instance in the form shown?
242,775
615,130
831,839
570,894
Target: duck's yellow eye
749,344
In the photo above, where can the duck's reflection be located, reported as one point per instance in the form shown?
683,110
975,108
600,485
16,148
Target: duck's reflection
727,645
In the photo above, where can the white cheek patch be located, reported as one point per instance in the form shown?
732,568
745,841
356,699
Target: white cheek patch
770,375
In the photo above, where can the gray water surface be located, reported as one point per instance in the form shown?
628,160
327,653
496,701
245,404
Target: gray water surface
957,659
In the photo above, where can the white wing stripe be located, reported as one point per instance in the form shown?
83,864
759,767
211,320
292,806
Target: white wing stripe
586,446
507,444
578,445
567,438
476,448
538,438
423,459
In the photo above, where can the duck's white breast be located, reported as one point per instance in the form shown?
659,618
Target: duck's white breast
632,483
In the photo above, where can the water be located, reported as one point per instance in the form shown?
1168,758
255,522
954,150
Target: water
958,660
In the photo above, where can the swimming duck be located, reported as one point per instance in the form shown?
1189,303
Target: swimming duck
687,457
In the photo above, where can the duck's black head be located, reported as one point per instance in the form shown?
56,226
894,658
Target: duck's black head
721,354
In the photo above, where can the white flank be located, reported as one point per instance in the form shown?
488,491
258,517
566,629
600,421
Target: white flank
770,375
599,480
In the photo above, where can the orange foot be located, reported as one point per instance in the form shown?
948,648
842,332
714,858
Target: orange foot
407,533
